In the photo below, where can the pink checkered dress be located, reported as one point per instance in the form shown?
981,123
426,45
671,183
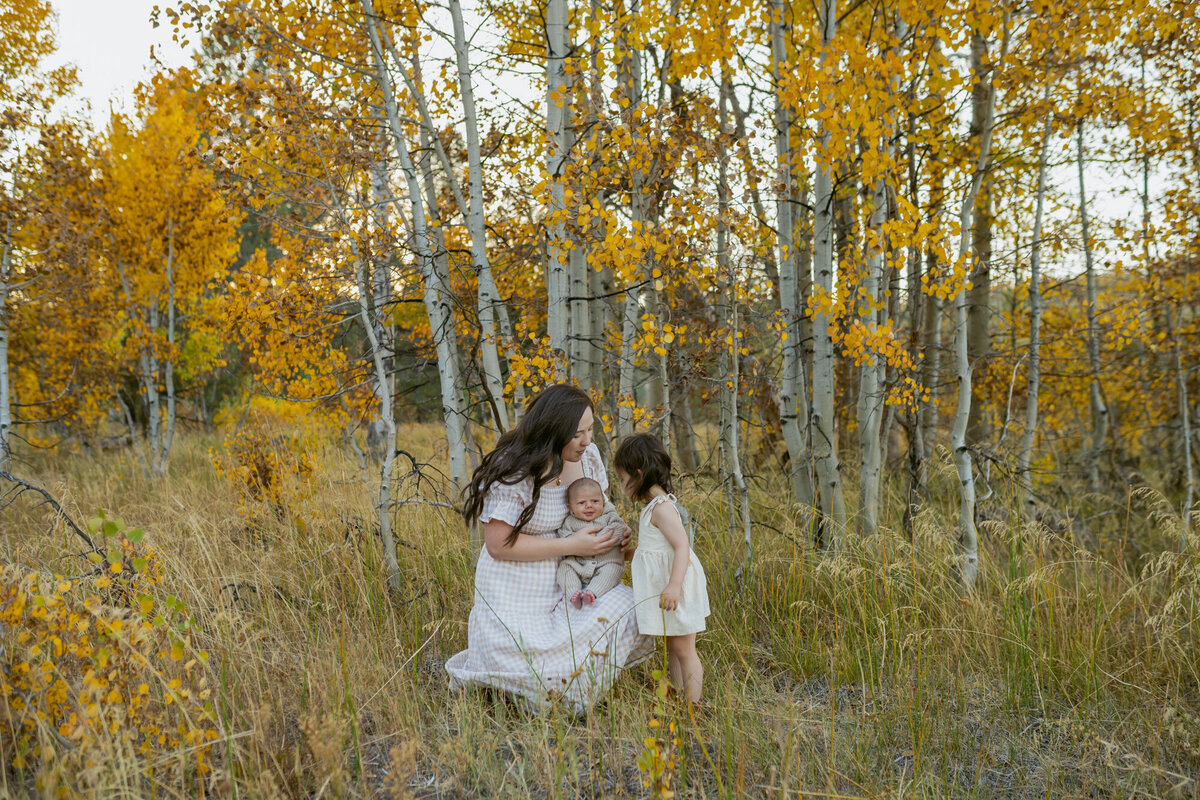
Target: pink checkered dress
522,637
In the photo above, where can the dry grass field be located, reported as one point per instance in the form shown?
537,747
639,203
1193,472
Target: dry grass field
243,644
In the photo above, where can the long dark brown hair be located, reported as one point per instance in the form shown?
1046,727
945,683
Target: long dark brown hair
533,449
644,459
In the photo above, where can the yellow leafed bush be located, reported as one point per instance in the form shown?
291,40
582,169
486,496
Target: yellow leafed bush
100,665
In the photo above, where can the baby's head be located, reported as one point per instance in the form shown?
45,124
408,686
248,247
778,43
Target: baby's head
585,498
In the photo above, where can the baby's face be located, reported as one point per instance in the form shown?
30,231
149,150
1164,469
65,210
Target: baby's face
587,505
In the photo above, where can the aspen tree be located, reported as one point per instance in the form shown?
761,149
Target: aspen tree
969,537
6,273
794,409
558,109
824,446
979,296
731,354
436,292
630,80
1034,368
873,371
1096,402
490,302
494,322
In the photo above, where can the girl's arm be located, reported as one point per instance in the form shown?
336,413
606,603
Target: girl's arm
544,548
666,518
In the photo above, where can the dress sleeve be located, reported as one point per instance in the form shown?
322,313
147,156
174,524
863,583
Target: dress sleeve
594,467
505,503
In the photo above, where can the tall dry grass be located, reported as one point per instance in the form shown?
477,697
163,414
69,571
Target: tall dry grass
1071,671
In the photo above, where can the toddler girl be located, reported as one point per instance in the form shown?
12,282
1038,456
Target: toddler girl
669,589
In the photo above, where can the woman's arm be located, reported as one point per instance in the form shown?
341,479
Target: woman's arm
543,548
666,518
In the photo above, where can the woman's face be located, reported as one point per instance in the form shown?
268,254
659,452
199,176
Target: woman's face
582,438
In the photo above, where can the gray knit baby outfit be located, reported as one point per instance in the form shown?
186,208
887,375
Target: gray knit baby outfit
596,575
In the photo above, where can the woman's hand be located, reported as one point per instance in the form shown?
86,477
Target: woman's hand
627,546
669,600
585,543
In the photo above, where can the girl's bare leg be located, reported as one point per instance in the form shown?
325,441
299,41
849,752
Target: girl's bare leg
684,667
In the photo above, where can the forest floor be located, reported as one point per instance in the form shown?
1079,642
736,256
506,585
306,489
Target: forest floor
1073,669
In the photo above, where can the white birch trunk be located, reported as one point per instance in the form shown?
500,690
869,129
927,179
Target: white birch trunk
931,336
1025,453
437,301
380,282
383,503
1185,414
829,483
873,372
629,331
169,367
557,110
629,72
488,296
870,383
730,368
793,410
5,391
153,398
1095,395
135,440
969,536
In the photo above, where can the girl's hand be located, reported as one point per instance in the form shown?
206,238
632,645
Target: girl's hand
669,601
585,543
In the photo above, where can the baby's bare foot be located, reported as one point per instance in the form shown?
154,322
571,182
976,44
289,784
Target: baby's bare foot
577,599
588,598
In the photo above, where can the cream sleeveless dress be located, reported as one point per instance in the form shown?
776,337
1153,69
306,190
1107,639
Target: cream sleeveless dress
651,572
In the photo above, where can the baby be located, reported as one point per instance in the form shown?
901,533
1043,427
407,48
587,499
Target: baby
584,579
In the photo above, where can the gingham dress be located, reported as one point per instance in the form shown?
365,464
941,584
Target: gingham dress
521,636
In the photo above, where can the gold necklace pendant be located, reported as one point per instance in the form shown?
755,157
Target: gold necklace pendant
558,481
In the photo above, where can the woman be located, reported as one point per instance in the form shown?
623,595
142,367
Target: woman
521,636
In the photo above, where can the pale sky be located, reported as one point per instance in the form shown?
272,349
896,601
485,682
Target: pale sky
109,42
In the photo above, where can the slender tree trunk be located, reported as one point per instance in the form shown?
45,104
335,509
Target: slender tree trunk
493,313
913,420
1185,414
682,435
558,103
381,285
437,295
969,537
489,301
794,410
659,390
1095,392
931,330
169,367
153,398
823,444
872,386
135,440
629,78
1025,454
383,503
979,296
770,265
739,496
871,374
5,396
